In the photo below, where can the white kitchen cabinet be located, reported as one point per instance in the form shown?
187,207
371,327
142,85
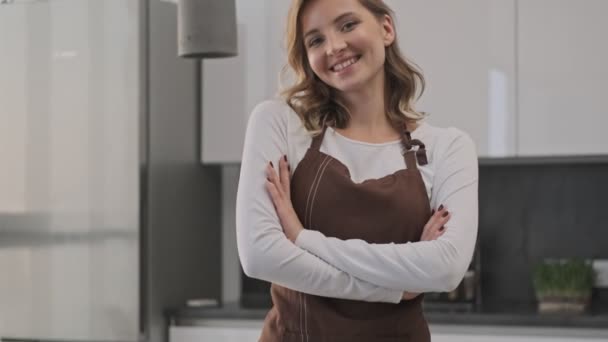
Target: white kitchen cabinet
218,331
465,50
563,77
483,333
495,338
193,334
523,78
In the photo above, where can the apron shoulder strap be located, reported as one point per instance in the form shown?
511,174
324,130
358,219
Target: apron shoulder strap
318,139
411,155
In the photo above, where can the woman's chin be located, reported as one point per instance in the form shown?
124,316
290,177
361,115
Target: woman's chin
348,87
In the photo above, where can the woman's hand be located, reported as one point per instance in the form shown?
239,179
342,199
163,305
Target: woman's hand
279,189
433,229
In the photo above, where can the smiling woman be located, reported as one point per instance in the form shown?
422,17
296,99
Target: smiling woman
358,46
326,43
348,202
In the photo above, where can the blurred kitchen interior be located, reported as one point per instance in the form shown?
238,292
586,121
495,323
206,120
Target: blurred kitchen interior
121,132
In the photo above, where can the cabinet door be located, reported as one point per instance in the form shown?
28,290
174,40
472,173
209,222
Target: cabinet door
563,77
510,338
223,334
465,49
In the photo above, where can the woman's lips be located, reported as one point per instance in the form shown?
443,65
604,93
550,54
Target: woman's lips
346,65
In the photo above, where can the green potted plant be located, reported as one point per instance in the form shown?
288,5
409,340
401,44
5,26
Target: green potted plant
563,285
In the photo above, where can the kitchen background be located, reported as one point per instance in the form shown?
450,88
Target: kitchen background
120,162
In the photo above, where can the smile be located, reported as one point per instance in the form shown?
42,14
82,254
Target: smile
344,65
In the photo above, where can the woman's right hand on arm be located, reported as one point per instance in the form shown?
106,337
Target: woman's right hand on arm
433,229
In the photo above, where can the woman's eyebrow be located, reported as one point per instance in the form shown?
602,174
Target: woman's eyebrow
338,18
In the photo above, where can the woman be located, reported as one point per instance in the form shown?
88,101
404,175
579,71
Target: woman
336,186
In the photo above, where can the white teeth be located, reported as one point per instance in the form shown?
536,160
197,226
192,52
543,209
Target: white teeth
341,66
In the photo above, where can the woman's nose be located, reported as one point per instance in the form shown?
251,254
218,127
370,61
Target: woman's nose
335,45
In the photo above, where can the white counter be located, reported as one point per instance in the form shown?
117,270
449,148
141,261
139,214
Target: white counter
249,330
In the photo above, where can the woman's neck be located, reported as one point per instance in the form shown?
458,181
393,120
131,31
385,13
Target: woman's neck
366,107
368,120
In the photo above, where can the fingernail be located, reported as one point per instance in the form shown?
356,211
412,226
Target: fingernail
440,207
285,157
271,164
442,228
268,179
445,214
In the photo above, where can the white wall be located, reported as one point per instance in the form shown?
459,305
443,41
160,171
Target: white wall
563,77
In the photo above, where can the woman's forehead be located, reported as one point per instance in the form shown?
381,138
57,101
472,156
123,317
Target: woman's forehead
319,13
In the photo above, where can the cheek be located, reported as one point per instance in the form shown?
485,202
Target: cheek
316,63
373,44
381,49
381,54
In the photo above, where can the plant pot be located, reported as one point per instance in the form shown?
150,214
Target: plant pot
563,285
569,305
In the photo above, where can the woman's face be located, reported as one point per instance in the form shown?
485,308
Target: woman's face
345,43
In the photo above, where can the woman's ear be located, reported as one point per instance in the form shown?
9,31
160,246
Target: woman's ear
388,30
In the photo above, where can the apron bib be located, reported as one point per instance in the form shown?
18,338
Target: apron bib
393,208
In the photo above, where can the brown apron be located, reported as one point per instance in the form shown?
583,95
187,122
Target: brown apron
393,208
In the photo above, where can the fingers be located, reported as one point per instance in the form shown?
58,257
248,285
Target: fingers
440,230
273,178
435,227
274,194
284,175
443,217
283,178
437,214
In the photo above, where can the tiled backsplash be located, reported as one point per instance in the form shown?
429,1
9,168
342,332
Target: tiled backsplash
534,211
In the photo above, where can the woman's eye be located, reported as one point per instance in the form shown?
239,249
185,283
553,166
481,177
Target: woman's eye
314,41
349,26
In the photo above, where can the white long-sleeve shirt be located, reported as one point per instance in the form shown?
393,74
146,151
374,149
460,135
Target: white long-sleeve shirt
355,269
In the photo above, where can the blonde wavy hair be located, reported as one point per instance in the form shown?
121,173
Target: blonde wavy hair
316,103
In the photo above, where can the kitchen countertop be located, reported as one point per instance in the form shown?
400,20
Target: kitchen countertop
521,317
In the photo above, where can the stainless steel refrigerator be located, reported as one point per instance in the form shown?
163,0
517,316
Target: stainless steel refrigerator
107,217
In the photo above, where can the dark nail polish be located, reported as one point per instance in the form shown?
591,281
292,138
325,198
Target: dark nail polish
268,179
271,164
445,214
440,207
442,228
285,157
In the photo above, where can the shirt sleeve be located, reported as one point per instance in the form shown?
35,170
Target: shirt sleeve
425,266
264,250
